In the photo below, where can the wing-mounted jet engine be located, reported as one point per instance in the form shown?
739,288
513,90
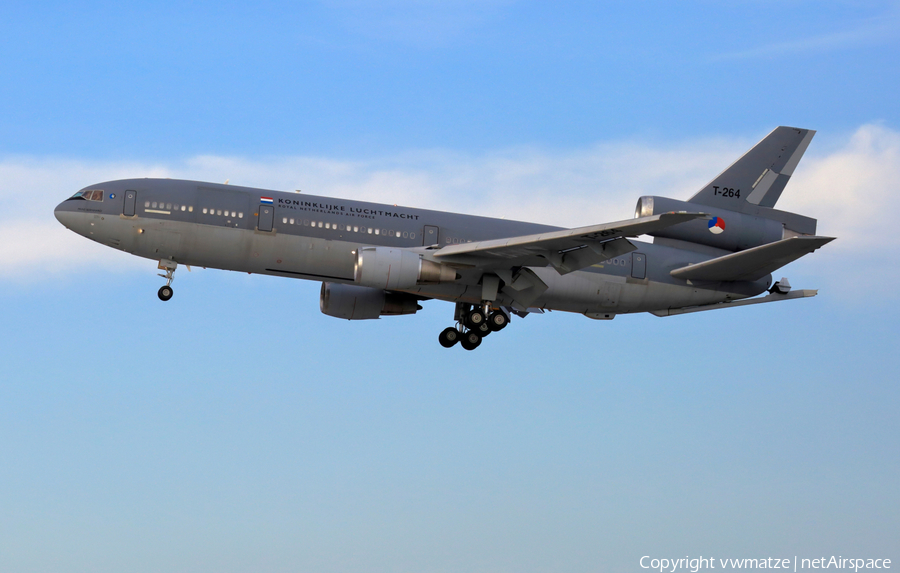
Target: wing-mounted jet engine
354,302
387,268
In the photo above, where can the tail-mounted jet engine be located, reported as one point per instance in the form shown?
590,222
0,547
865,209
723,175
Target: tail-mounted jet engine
727,229
387,268
361,303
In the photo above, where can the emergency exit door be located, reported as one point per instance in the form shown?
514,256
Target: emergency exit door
130,199
266,217
638,265
430,236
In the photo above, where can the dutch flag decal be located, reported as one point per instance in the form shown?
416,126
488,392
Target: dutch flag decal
266,200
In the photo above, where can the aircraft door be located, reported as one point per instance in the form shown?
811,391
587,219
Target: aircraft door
266,217
639,265
430,236
130,200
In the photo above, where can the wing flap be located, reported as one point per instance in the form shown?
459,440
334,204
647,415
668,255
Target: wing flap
752,264
567,250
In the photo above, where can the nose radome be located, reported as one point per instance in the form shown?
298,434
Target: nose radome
64,215
56,213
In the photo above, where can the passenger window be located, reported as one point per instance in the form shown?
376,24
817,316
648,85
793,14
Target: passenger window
168,206
204,210
284,220
191,209
355,229
182,207
412,235
292,221
320,224
146,204
219,212
241,215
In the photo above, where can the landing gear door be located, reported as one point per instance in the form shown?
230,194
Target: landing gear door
639,265
130,200
430,236
266,217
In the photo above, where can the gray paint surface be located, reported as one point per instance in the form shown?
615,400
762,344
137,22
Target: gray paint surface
318,238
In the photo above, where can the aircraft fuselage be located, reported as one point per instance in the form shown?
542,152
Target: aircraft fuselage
317,238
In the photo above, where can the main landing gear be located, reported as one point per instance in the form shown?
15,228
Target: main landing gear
472,325
165,292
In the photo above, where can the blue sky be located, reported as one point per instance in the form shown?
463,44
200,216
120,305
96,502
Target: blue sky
235,428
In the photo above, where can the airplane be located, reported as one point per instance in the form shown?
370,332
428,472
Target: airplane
716,250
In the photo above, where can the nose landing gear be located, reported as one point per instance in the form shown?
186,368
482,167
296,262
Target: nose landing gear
165,292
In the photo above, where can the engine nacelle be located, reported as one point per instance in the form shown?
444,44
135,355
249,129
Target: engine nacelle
728,230
387,268
361,303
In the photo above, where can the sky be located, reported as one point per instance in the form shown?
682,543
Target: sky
235,428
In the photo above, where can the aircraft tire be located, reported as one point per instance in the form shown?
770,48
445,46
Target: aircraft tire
448,337
474,319
165,293
483,329
497,321
470,340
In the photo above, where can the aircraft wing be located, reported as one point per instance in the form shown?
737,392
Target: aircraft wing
752,264
567,250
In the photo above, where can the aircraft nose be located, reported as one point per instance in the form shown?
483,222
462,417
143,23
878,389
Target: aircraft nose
65,214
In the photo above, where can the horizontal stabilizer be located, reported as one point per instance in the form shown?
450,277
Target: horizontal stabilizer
751,264
774,297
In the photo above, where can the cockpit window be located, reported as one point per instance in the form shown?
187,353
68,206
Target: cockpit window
90,195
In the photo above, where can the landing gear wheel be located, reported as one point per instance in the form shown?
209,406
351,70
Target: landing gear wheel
470,340
165,293
475,318
449,336
483,329
497,321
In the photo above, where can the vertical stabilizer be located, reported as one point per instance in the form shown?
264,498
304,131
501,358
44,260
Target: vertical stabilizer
758,178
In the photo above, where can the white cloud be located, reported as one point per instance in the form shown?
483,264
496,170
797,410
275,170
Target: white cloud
870,32
847,189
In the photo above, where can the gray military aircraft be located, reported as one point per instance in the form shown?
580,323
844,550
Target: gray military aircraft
716,250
